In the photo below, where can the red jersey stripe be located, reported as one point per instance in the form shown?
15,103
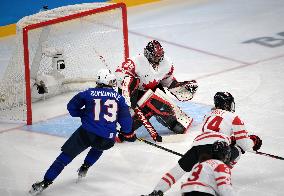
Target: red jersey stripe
167,181
240,132
205,133
171,177
209,136
242,137
220,178
192,183
221,183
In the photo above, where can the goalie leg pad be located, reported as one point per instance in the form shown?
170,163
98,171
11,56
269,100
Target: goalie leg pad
165,110
151,102
182,118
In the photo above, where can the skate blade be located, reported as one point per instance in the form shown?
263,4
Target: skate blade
79,179
34,192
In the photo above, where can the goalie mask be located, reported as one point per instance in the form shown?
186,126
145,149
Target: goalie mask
106,78
224,101
221,151
154,52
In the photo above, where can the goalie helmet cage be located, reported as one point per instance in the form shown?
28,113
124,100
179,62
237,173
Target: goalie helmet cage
90,36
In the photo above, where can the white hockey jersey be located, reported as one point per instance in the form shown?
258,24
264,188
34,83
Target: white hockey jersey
149,77
211,176
221,125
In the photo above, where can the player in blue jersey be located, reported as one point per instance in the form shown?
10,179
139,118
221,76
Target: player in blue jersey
100,109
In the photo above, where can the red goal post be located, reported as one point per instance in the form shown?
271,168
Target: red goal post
106,35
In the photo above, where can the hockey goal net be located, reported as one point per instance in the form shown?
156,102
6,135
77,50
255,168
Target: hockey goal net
59,51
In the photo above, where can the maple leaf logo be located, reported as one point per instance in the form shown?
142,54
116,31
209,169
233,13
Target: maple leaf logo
150,85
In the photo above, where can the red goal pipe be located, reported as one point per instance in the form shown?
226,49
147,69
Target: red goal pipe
27,77
62,19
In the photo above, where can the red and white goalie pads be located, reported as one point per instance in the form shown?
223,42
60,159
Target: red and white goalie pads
184,91
181,116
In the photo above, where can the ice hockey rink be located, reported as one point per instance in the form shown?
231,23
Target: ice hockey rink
235,46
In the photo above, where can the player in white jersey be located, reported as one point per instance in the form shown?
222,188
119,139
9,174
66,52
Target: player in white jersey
209,177
221,124
223,120
148,72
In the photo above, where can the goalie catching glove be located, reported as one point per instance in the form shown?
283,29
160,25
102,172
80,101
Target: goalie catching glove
183,91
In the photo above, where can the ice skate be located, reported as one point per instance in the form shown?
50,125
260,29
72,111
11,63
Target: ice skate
82,171
38,187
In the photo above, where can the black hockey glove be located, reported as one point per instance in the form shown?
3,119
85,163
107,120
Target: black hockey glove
233,141
130,137
41,87
257,142
155,193
157,137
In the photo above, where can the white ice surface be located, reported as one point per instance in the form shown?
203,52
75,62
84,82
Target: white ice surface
204,39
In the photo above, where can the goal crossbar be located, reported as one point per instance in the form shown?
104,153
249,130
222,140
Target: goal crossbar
27,28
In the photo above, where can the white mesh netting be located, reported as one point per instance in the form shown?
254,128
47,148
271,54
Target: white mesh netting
85,44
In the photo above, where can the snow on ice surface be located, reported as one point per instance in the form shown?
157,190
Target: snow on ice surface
205,41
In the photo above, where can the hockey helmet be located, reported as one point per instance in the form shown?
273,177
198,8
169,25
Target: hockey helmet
224,101
221,151
154,52
105,77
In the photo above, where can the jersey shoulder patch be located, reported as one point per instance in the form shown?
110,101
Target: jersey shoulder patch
237,121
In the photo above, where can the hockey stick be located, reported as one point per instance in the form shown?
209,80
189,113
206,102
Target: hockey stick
158,146
176,153
268,155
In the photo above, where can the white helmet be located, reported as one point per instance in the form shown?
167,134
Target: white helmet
104,76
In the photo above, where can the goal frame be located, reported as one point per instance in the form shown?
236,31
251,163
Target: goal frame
63,19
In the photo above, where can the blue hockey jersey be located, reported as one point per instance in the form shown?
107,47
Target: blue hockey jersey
100,109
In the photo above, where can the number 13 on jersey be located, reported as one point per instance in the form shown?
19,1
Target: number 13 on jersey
111,113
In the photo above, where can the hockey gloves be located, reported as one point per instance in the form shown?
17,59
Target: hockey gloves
155,193
157,138
130,137
257,142
233,141
41,87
